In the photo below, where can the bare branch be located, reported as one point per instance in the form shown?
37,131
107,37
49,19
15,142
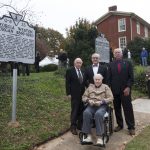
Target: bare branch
10,2
26,5
5,5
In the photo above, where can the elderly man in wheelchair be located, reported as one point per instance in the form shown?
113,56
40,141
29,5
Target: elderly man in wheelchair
97,96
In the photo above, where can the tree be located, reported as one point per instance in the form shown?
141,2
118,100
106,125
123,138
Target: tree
48,41
23,9
136,46
80,41
51,40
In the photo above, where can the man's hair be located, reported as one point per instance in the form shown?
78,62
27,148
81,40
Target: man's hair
96,54
77,60
118,49
98,75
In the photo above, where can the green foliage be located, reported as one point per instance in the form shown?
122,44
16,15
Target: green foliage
48,40
136,46
42,110
49,68
140,142
140,79
80,41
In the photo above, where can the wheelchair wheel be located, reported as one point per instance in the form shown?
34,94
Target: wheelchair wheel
81,135
105,139
111,121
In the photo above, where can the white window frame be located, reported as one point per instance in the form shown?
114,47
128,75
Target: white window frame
121,24
146,31
122,42
138,27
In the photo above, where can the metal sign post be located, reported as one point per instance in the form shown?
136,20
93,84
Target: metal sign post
14,95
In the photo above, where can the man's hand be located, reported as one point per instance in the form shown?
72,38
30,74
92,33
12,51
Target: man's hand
126,91
91,102
98,103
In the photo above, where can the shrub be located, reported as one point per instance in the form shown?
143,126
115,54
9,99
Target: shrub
49,68
139,79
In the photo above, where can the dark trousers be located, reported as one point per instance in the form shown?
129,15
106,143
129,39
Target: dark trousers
125,101
76,112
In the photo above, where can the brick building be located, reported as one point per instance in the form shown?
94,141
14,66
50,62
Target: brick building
121,27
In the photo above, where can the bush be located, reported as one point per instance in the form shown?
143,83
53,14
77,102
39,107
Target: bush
139,79
49,68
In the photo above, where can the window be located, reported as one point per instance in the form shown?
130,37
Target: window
146,32
138,27
122,42
122,25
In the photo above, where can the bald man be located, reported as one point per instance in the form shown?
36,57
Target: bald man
120,80
75,89
95,68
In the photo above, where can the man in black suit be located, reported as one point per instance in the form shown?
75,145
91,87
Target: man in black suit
75,89
95,68
121,79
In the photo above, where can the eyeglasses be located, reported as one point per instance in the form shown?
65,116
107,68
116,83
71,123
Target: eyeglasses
94,57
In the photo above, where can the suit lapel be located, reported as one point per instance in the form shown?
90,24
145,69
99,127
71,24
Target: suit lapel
98,69
75,73
91,70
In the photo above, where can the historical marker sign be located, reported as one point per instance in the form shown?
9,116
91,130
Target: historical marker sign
17,40
102,48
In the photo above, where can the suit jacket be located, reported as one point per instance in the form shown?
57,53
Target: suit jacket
73,86
89,74
119,81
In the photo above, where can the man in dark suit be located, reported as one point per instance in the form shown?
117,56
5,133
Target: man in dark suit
75,89
121,79
95,68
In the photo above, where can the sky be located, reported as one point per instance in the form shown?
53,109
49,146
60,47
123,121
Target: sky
61,14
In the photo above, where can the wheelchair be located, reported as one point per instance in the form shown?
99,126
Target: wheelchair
108,127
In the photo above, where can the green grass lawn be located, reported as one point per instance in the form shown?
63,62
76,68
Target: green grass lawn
141,142
42,110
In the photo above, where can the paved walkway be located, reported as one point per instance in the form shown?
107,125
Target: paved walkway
117,140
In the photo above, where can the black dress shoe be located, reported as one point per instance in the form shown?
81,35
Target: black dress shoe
74,131
132,132
118,128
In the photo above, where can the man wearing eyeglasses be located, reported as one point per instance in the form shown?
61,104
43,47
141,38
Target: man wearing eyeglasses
94,69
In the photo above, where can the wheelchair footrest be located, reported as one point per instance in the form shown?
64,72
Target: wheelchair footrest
99,145
86,143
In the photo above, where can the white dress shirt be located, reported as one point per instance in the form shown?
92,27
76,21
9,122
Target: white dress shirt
95,69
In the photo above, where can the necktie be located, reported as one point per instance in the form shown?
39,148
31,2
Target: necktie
80,76
119,67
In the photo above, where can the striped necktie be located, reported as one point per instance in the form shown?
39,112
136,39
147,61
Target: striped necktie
80,76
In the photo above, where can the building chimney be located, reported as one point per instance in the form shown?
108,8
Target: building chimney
112,8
